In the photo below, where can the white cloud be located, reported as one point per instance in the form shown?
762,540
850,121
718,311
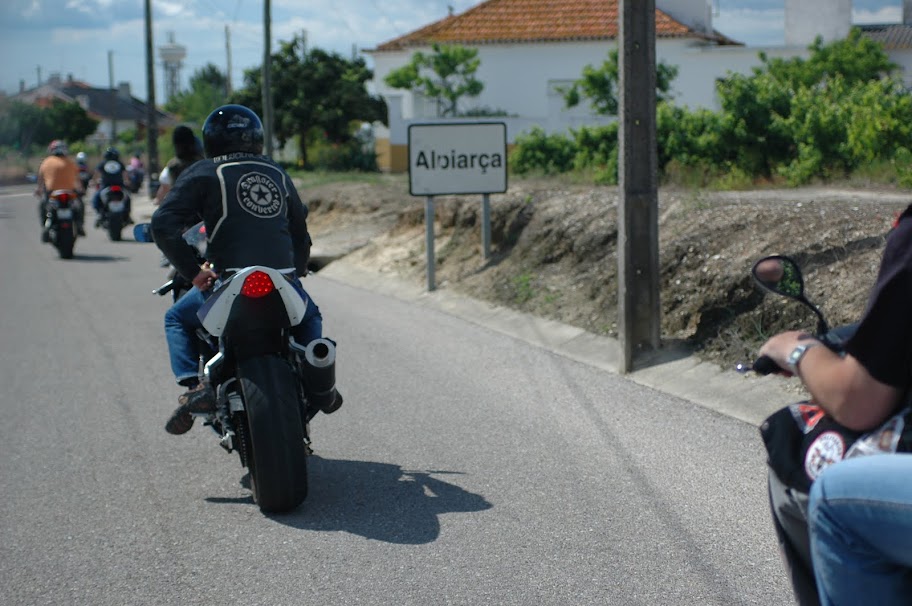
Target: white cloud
887,14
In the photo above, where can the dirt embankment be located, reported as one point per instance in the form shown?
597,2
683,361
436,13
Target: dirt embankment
554,252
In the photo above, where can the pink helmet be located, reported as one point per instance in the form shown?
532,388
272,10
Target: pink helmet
57,148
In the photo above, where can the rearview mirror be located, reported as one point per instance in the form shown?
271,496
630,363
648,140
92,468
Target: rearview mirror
142,232
779,275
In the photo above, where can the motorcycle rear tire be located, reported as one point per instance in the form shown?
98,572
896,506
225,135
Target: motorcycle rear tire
65,241
115,227
277,457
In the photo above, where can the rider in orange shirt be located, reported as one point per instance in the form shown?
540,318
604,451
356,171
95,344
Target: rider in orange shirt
58,171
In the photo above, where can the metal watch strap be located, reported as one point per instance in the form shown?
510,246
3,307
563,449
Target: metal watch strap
798,353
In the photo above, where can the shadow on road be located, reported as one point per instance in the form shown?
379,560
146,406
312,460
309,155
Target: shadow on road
377,501
99,258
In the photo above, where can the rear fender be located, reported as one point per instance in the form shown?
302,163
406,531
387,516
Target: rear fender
216,313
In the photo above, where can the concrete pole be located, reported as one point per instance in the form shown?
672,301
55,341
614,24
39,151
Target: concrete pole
639,312
267,76
113,97
151,116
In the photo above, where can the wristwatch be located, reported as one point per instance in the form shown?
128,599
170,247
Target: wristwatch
797,354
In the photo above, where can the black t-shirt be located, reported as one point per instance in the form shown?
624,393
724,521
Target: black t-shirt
111,172
883,342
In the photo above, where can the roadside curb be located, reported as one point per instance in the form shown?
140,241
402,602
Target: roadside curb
748,398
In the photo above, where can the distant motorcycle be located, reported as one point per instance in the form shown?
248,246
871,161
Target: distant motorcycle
268,386
85,175
60,221
135,178
113,215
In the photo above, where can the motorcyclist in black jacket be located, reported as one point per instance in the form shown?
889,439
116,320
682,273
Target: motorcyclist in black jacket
253,216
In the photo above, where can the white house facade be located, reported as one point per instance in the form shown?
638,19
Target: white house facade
524,69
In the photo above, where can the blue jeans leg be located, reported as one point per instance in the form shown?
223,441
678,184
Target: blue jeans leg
311,326
860,517
181,323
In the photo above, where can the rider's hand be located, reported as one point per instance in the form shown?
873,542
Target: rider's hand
205,278
780,347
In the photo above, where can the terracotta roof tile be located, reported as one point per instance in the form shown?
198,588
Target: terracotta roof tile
505,21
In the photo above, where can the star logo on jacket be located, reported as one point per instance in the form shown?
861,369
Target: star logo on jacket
259,195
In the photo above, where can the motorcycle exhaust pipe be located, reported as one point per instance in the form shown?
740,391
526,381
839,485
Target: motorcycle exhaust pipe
319,372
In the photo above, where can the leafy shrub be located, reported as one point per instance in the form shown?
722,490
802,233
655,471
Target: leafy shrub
538,152
597,150
351,155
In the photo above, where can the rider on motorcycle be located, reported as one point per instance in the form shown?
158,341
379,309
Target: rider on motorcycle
58,171
253,216
110,171
187,150
85,174
860,390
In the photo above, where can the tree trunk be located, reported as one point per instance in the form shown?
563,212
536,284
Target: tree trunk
302,150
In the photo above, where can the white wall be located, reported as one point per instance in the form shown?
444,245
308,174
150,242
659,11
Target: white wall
807,19
522,78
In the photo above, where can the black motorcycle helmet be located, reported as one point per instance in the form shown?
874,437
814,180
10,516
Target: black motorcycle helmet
111,154
232,128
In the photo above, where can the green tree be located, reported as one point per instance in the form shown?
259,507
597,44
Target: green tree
600,85
23,125
758,125
208,90
314,91
447,75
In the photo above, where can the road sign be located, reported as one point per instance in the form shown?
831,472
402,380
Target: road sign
464,158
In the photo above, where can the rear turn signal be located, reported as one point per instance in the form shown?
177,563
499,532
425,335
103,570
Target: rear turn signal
256,285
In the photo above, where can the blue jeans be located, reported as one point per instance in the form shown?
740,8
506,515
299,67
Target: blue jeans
860,517
181,323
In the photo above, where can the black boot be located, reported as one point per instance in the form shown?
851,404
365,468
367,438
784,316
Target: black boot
198,399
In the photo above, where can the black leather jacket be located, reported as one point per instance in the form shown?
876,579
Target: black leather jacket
251,209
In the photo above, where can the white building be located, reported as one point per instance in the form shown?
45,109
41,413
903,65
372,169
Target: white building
531,49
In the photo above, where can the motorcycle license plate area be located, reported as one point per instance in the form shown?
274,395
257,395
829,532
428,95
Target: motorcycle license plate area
64,213
115,207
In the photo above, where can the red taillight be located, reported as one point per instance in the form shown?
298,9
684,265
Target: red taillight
256,285
62,198
115,188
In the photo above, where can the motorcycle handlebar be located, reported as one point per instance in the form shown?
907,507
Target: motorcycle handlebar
764,365
164,289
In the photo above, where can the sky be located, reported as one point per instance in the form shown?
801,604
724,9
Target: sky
42,37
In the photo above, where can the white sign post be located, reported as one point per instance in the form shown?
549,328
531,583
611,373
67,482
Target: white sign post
463,158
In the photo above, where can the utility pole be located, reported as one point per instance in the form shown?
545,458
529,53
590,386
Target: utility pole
228,55
112,97
639,313
267,76
151,117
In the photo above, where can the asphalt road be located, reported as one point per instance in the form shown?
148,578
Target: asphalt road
466,466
